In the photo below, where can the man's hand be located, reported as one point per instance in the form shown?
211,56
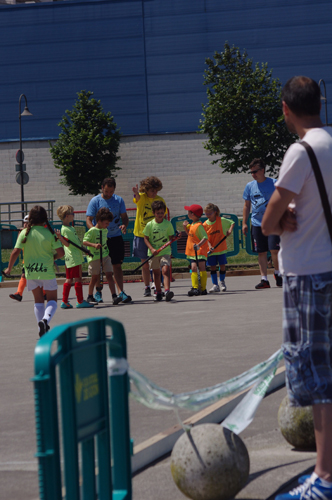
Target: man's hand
288,221
123,229
244,228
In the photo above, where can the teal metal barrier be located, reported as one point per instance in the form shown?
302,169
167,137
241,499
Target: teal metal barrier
128,239
89,457
8,237
179,246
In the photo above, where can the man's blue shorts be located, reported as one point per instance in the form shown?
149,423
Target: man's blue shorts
139,248
307,330
220,259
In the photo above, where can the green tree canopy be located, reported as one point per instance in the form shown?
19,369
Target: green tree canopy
243,118
86,151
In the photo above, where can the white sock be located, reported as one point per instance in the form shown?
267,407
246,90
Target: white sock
39,310
50,309
264,278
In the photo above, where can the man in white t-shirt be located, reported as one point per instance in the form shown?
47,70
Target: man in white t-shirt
295,212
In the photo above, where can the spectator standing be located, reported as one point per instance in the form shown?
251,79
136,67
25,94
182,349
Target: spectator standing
256,195
116,228
295,212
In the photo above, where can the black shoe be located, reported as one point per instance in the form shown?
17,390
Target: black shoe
16,296
263,284
204,292
278,279
194,292
43,327
158,297
147,292
91,300
169,295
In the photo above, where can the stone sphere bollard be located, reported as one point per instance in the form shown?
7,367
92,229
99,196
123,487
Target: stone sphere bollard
297,425
210,463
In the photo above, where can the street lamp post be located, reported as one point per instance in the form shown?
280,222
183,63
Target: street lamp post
26,112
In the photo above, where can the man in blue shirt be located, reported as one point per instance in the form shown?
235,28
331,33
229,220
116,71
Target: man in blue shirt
116,228
256,195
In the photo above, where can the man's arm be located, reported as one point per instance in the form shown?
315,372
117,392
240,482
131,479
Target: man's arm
278,217
125,222
246,212
89,223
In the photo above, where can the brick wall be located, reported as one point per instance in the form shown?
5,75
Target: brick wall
179,160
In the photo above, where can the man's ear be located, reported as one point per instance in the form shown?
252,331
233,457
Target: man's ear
285,108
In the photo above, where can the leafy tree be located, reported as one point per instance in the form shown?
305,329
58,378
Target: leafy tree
86,151
243,118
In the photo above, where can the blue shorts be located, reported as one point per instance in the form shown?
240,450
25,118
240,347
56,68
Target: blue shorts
307,330
139,248
220,259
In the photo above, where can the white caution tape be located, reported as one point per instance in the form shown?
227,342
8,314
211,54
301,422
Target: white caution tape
155,397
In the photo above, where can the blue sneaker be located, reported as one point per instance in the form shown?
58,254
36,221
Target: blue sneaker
294,494
124,297
98,297
66,305
84,305
303,479
314,490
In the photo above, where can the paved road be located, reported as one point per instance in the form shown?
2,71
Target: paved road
182,345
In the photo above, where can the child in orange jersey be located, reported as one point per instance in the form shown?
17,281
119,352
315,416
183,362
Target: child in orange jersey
214,227
197,241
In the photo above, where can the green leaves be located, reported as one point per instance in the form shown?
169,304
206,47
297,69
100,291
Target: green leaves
243,118
86,151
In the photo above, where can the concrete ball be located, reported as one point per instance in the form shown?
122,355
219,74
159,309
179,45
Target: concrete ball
297,425
210,463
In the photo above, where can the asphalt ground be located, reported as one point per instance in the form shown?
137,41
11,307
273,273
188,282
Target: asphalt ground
182,345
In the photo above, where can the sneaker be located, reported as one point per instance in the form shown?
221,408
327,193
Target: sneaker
43,327
91,300
99,297
303,479
66,305
45,296
169,295
263,284
124,297
16,296
204,292
83,305
223,286
314,489
194,292
214,289
278,279
152,286
294,494
158,297
147,292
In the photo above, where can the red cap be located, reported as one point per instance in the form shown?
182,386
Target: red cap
195,209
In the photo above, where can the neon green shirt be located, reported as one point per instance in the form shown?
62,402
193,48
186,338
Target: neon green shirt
158,235
73,256
38,253
93,236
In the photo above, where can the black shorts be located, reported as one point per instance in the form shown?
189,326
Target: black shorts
116,249
261,243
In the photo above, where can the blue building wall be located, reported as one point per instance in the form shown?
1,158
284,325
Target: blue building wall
144,59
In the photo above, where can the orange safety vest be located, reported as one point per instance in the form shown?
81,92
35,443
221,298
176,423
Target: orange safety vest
193,240
215,234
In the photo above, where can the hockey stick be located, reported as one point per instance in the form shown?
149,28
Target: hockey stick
174,238
83,249
101,285
198,271
219,242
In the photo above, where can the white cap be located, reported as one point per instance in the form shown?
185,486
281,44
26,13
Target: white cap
26,218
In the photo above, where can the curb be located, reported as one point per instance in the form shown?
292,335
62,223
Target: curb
162,443
133,278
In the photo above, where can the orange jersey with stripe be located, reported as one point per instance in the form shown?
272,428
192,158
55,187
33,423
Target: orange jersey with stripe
193,239
215,234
